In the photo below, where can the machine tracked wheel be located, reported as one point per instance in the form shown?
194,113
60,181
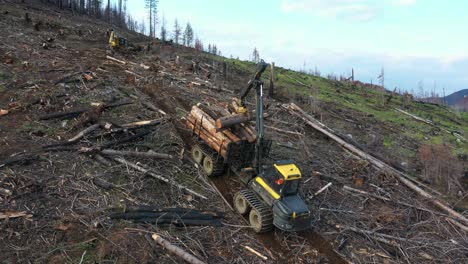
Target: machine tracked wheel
212,167
213,164
261,219
197,154
240,202
261,216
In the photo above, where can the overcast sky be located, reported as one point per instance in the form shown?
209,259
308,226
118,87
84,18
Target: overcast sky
412,39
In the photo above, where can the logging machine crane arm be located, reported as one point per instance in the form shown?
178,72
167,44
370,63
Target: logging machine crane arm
277,186
256,83
271,193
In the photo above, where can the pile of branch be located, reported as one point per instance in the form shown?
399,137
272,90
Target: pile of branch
174,216
159,177
218,134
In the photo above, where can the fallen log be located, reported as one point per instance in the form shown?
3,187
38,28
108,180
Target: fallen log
230,121
320,191
84,133
159,177
152,208
284,131
152,107
20,158
176,216
258,254
146,67
11,214
102,160
102,183
142,123
176,250
181,222
459,225
429,122
403,178
111,152
128,139
178,210
77,112
122,129
116,60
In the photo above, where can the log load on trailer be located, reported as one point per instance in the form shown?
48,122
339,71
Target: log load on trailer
224,138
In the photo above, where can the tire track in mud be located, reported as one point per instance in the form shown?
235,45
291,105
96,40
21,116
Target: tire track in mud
271,243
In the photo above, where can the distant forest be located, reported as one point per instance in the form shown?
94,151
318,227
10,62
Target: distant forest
116,14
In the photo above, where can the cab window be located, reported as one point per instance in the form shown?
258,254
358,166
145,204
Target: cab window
271,177
290,187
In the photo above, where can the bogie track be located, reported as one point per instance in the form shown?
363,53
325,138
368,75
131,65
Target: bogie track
211,162
260,216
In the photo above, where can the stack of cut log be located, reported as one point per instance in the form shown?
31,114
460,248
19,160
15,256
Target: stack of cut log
220,126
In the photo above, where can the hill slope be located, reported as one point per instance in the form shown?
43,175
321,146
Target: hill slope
68,189
456,97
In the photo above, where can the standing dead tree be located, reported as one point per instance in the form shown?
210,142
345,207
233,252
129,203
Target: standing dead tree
272,80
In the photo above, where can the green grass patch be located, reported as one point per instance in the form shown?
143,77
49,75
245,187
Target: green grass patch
388,142
369,102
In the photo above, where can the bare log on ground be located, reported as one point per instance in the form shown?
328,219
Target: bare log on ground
77,112
260,255
415,117
159,177
403,178
175,216
10,214
284,131
116,60
90,129
84,133
321,190
142,123
128,139
176,250
18,159
152,107
429,122
111,152
459,225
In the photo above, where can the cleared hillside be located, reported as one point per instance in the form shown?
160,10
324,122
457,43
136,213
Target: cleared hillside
59,190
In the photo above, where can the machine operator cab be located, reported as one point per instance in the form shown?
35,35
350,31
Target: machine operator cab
115,41
279,186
